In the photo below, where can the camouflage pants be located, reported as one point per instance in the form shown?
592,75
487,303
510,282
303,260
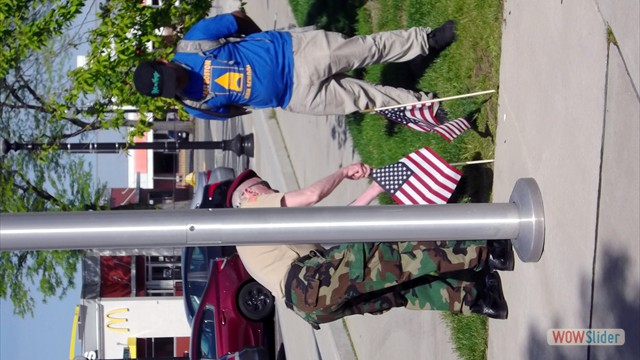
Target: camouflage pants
375,277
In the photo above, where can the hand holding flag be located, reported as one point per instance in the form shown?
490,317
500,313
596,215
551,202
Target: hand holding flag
422,177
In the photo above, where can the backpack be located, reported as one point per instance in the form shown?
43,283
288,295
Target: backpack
202,47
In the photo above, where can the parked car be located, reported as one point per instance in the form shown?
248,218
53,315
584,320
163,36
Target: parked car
209,192
195,273
232,312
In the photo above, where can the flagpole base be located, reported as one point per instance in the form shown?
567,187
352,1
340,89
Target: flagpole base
530,240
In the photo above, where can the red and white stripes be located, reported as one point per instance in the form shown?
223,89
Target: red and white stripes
433,180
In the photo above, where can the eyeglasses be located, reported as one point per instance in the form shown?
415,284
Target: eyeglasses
243,196
261,182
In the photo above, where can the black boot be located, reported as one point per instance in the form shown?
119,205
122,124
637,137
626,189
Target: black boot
490,300
441,37
500,255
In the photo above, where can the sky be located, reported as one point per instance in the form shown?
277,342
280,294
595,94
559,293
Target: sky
51,325
47,334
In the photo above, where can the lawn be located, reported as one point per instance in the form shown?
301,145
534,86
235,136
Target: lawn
471,64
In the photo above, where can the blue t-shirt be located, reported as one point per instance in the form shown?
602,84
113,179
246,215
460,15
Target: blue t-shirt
255,71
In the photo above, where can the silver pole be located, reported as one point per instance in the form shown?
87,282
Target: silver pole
151,228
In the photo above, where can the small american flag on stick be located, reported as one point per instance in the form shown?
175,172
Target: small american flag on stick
422,177
452,129
422,117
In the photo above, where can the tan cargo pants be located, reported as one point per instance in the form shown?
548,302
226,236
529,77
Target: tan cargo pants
321,60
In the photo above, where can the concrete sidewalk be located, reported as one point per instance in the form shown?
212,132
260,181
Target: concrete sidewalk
569,117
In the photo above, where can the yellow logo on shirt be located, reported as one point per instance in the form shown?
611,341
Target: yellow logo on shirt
249,81
230,81
207,78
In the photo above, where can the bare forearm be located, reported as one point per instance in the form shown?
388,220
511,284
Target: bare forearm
368,195
315,192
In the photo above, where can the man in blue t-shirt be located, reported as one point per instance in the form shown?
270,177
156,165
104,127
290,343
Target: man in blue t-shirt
300,72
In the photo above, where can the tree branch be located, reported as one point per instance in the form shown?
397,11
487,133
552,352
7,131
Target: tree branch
30,90
95,125
43,194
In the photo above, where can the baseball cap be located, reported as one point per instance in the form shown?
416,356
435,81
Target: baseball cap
233,196
155,78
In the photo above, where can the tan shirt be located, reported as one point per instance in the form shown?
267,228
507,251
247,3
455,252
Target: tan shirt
269,264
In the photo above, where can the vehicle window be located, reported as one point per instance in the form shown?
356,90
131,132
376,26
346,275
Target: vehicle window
198,260
208,335
196,289
196,277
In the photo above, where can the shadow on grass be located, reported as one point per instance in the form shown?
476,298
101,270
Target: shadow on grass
475,185
407,74
472,118
334,15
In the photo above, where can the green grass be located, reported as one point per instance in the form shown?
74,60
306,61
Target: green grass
468,335
611,37
470,64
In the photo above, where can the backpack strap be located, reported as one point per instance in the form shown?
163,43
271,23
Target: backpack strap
203,46
234,110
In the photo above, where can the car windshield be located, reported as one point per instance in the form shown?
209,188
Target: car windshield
207,335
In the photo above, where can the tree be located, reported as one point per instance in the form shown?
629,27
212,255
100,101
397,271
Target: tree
92,97
42,100
54,184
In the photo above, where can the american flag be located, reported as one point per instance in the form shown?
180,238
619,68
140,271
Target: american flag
419,117
422,177
452,129
422,117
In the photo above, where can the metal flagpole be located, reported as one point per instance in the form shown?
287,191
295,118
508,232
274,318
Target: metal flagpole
521,220
432,101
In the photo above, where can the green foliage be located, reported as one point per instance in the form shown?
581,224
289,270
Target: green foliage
41,101
48,184
91,97
470,64
53,181
128,33
30,26
52,272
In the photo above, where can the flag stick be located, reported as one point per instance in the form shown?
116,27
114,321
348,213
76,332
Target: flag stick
471,162
433,100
